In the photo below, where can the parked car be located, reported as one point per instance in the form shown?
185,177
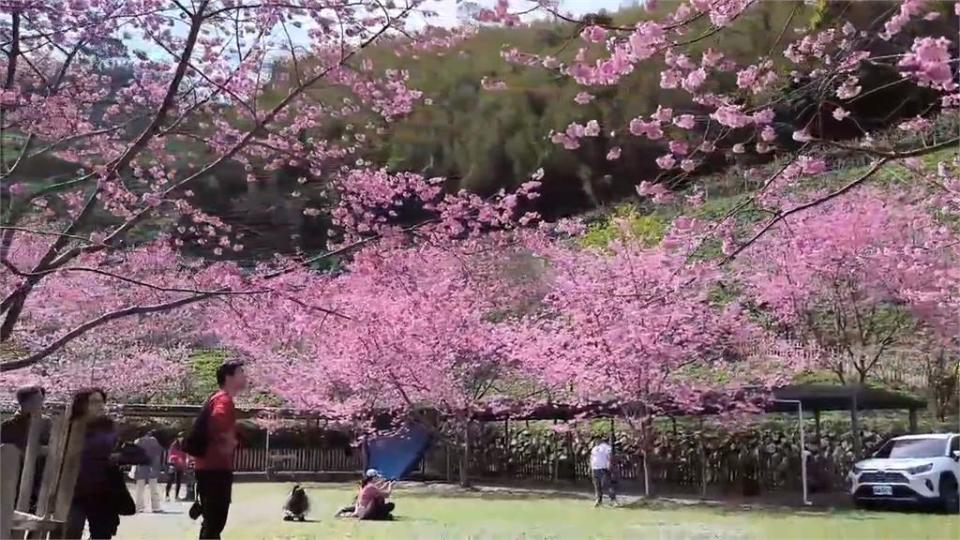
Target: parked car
912,469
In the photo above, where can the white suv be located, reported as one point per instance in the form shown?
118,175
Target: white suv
910,469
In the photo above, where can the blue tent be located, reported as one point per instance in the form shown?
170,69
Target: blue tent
397,455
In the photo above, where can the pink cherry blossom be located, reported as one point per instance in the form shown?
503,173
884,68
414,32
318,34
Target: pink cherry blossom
928,62
840,113
593,34
731,116
679,147
666,161
685,121
650,130
582,98
657,192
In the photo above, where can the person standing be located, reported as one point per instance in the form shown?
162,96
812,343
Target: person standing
600,458
147,475
176,465
16,430
214,469
99,496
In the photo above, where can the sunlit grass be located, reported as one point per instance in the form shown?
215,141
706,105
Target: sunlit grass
256,514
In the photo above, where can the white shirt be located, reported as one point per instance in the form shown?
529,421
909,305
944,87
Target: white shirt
600,456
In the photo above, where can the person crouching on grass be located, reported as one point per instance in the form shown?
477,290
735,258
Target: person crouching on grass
297,505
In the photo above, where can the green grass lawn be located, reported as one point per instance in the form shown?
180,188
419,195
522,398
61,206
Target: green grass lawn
256,514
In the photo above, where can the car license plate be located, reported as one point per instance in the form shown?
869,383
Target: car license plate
883,490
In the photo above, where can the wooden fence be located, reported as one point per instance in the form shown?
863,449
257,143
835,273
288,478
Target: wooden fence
720,471
296,460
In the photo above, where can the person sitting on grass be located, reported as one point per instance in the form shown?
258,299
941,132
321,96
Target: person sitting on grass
297,505
349,510
371,503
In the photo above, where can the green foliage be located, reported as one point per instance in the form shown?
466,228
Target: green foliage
816,376
486,140
723,293
203,371
820,14
626,223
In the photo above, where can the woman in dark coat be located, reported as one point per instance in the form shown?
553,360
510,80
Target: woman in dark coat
95,496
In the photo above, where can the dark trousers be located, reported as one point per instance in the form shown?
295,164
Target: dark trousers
175,475
602,478
214,489
103,522
378,510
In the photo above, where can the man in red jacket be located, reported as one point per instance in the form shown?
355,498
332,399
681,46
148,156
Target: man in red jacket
215,468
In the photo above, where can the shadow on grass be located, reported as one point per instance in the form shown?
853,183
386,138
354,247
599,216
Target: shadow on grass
782,511
492,495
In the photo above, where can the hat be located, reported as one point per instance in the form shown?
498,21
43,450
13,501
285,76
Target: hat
371,473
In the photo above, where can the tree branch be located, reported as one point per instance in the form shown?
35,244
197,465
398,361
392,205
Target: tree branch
780,217
93,323
11,74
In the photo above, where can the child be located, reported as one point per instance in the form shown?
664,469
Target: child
297,505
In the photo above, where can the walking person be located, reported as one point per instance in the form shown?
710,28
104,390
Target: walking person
146,475
216,427
100,496
601,456
176,466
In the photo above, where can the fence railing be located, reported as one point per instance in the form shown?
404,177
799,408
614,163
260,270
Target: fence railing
295,460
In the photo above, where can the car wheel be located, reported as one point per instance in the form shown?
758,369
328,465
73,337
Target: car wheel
949,495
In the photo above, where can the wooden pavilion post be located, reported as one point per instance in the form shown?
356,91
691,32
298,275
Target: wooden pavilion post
506,445
363,455
613,433
816,425
703,463
267,464
556,454
9,461
51,470
913,420
855,425
70,466
28,471
465,458
446,451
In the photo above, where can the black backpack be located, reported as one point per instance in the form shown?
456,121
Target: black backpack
195,443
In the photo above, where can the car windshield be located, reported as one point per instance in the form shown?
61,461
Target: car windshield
912,448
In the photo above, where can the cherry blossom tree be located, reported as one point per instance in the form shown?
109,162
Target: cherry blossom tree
133,356
413,333
832,74
858,277
641,328
100,91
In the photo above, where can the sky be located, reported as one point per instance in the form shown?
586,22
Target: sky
446,10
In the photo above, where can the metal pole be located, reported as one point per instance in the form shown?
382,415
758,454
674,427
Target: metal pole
803,448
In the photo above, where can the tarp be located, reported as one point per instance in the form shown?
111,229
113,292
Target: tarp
397,455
